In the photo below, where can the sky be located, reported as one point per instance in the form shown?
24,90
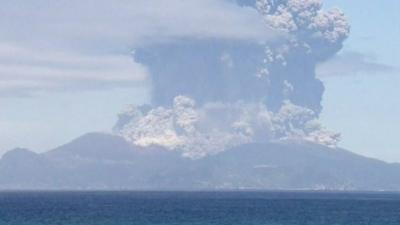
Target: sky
62,75
364,106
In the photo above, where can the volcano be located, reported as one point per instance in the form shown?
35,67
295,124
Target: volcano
99,161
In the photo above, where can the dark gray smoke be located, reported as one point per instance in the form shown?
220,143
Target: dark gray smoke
219,70
205,70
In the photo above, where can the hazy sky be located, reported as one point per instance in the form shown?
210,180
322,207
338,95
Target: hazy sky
62,75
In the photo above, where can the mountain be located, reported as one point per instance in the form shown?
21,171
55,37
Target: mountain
99,161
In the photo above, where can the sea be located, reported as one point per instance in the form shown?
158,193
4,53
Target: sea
199,208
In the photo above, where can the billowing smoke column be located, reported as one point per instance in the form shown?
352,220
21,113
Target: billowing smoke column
313,36
210,95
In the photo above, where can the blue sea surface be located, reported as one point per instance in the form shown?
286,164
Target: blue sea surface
199,208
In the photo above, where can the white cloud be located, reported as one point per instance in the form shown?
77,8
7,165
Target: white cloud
46,45
353,63
128,22
24,70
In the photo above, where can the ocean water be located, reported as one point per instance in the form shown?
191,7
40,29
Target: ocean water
199,208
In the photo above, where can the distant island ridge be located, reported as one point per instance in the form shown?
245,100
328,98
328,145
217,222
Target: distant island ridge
100,161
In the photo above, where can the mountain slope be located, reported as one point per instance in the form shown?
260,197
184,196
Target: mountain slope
102,161
303,166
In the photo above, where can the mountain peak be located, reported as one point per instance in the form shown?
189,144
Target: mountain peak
93,146
18,153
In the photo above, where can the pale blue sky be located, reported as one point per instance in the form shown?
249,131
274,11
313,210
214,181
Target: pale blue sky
363,106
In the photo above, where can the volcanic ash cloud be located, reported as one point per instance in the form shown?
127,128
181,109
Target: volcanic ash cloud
214,127
211,95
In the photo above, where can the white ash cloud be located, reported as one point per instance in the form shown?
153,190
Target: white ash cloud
214,127
196,130
209,95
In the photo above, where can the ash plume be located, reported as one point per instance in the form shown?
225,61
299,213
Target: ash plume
313,36
211,94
